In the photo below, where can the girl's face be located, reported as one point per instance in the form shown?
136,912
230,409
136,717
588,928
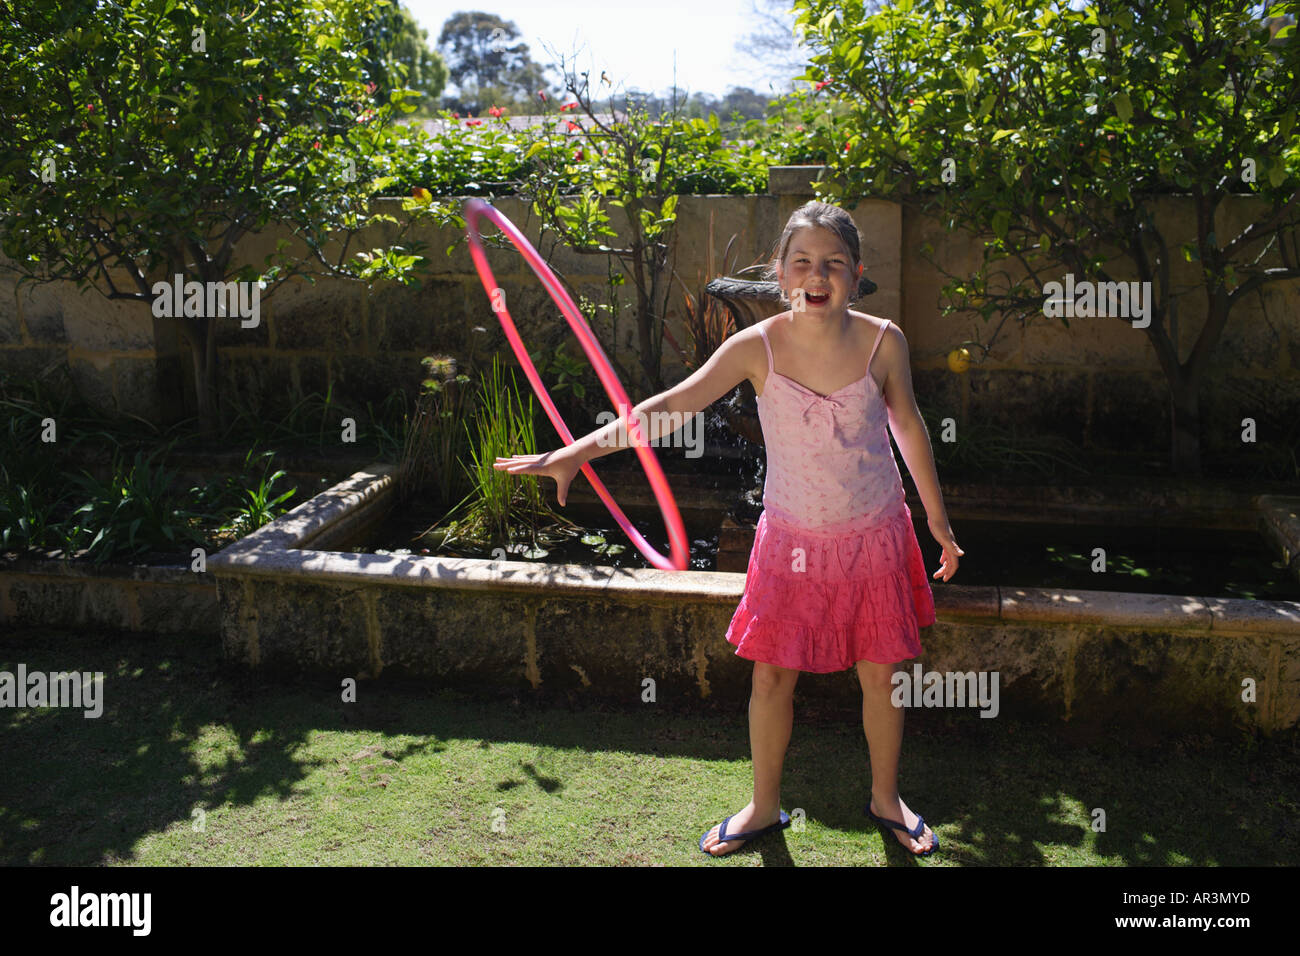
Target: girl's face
817,262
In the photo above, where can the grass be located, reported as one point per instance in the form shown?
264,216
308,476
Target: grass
286,773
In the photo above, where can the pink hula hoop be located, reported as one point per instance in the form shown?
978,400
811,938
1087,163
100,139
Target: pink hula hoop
476,209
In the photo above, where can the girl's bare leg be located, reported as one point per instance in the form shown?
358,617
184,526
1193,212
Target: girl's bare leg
883,724
771,720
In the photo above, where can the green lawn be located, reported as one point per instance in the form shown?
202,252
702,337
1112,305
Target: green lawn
408,775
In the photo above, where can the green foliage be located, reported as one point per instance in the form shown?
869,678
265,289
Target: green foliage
566,372
500,502
401,56
137,509
179,129
468,156
1049,132
1057,123
486,58
435,437
27,515
253,506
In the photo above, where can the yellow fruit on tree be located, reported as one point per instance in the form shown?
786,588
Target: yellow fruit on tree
959,360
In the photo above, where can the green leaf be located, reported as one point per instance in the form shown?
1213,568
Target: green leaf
1123,106
1001,222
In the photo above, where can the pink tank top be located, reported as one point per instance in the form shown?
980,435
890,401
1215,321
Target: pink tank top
829,461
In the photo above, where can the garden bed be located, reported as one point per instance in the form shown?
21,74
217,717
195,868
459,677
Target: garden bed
289,603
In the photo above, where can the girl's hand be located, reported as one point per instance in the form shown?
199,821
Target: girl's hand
943,534
560,464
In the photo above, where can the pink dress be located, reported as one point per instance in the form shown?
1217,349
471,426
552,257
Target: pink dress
836,573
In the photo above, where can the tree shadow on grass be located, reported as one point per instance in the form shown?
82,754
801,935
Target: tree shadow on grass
80,791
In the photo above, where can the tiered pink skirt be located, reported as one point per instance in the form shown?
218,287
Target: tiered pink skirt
820,601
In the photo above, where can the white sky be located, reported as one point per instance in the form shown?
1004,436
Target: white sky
633,42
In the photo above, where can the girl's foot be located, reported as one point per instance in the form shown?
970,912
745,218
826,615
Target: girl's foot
742,822
897,811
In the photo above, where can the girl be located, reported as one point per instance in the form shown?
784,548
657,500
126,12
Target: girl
836,578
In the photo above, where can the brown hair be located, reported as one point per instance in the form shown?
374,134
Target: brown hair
825,216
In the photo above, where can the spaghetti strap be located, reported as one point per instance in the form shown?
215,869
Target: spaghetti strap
879,335
763,332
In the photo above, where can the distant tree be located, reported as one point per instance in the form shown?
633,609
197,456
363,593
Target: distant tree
401,56
746,102
488,61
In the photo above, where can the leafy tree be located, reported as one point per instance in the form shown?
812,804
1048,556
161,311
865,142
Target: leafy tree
746,102
175,129
626,160
402,56
1050,133
488,61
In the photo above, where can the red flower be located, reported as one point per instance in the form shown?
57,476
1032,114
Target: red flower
371,87
542,95
259,96
316,145
577,155
573,126
568,106
910,102
91,107
846,145
455,116
473,122
822,84
799,128
495,111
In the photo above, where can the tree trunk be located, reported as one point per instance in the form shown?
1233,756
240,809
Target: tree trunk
1185,419
202,338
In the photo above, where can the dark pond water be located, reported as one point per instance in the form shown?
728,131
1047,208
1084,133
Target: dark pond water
1149,560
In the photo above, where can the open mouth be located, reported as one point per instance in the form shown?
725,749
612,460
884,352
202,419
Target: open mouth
817,298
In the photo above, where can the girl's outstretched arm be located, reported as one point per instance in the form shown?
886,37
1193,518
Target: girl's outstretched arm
659,415
913,440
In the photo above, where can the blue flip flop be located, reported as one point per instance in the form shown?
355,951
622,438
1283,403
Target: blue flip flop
914,834
724,837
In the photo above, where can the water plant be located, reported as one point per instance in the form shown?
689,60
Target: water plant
434,439
501,503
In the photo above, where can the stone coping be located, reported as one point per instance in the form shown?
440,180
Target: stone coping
276,550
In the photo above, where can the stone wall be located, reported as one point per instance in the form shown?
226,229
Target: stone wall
1097,383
